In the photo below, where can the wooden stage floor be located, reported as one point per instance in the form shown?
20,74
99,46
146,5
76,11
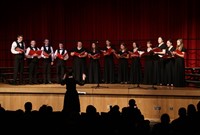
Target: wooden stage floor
152,102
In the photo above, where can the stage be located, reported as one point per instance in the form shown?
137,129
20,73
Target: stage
152,102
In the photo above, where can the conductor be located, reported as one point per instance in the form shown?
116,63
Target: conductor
71,99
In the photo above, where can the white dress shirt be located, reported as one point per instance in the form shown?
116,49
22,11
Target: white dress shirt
13,46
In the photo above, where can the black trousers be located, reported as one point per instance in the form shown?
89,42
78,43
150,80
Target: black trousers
46,71
33,67
60,70
18,67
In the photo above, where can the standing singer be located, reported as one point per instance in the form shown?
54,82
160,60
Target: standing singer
108,63
79,63
61,56
94,66
18,49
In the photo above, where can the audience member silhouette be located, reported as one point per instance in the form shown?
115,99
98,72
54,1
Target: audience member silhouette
90,121
28,107
132,111
180,124
71,99
191,114
114,120
164,127
130,116
114,112
91,110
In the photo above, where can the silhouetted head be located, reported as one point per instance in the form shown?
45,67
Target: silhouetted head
182,112
132,103
115,108
165,119
191,110
28,107
91,110
43,108
70,72
49,108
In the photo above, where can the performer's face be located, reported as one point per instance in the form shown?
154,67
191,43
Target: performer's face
33,43
169,44
160,40
20,38
46,41
93,45
60,45
122,47
107,42
134,45
178,42
79,44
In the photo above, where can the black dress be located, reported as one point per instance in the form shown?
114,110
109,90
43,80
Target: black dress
148,68
158,66
169,66
135,70
71,99
94,68
109,68
179,79
79,64
123,68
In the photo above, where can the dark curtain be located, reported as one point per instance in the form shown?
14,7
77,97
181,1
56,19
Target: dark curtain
88,20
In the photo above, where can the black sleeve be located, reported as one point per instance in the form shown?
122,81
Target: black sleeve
81,83
63,82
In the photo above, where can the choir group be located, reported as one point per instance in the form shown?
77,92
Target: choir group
163,64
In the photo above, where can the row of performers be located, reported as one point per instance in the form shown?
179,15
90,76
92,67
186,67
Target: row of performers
164,64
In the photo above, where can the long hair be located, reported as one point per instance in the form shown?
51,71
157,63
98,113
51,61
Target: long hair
96,46
179,47
123,45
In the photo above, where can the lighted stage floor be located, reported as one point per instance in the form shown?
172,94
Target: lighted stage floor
152,102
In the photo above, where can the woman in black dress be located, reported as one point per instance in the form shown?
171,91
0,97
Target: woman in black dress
71,99
158,72
169,64
79,62
179,70
123,56
108,63
135,69
148,64
94,66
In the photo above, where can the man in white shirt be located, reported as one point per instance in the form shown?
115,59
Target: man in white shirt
48,58
61,56
18,49
33,54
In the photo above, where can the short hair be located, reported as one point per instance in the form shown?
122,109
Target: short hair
19,36
149,42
